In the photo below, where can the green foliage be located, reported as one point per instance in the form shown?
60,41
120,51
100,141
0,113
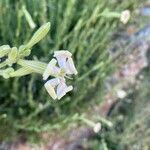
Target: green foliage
76,25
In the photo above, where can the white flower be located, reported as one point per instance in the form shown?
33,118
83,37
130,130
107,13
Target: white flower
97,127
57,88
125,16
121,94
65,61
51,69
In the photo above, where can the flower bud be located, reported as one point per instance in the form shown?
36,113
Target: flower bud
12,56
27,52
39,35
36,66
125,16
4,50
23,52
97,127
6,72
28,18
21,72
22,49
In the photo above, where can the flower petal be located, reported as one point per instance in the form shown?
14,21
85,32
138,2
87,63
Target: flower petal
69,88
97,127
51,69
50,88
62,89
63,53
71,66
62,57
54,82
65,61
62,62
125,16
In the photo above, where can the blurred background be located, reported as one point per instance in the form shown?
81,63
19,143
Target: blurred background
112,85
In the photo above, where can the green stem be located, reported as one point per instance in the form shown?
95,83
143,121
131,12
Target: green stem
104,144
87,121
108,14
104,121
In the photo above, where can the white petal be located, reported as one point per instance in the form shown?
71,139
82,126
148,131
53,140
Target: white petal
62,59
65,61
97,127
62,80
64,53
62,89
69,88
55,71
45,75
125,16
50,89
71,66
121,94
54,82
62,62
51,69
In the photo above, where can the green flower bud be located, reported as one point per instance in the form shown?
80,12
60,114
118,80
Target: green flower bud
28,18
4,50
21,72
23,52
3,64
12,56
22,48
36,66
7,72
38,35
27,52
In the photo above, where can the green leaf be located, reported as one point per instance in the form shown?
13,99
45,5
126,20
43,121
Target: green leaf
12,56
